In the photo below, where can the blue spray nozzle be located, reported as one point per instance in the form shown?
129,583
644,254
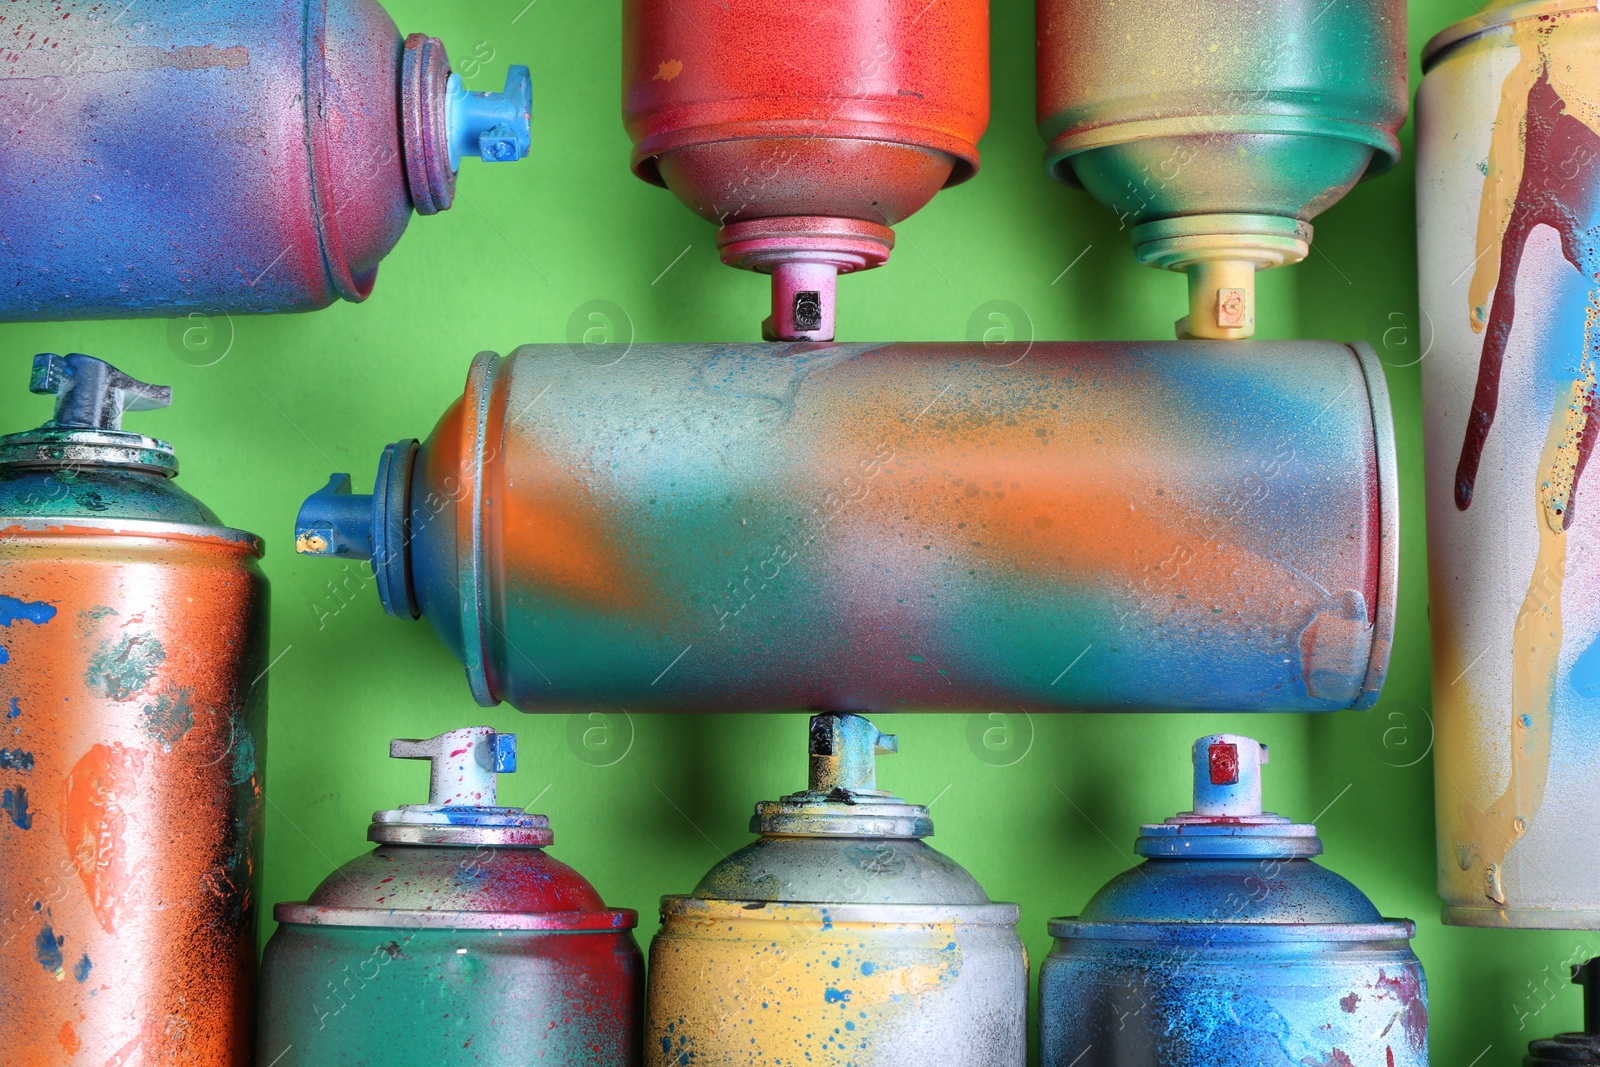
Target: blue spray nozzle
494,127
335,522
90,393
341,524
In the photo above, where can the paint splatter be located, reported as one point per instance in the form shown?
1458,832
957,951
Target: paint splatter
69,1039
89,616
93,821
1349,1002
169,719
14,709
47,950
1541,130
669,69
1535,652
1407,986
81,970
123,668
15,804
836,996
244,757
15,610
1335,1058
15,759
1585,676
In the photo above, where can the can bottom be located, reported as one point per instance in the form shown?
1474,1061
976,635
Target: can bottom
1521,918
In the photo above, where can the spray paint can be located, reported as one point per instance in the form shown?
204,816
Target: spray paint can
133,633
805,134
1217,130
1508,157
236,156
458,940
1228,945
838,937
1574,1050
910,524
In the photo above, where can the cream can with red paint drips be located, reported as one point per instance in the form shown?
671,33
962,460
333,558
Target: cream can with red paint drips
1508,197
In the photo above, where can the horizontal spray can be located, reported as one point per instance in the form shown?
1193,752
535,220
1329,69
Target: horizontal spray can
457,941
806,134
133,638
758,527
1216,131
838,938
1229,945
224,157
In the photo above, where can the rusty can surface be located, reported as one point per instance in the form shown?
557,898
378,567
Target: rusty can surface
805,133
234,156
1216,130
1229,945
133,631
457,941
1508,150
838,937
750,527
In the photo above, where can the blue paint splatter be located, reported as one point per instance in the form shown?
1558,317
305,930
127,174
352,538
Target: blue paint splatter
836,996
169,719
1585,676
868,968
47,949
14,610
5,657
15,759
16,705
244,757
15,804
81,971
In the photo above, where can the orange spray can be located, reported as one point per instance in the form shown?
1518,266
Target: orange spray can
133,628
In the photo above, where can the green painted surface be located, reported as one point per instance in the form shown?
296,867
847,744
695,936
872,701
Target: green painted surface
526,247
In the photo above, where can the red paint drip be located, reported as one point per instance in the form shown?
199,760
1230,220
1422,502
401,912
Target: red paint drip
1591,430
1556,147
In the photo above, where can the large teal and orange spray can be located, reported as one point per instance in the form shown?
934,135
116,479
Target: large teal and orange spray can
1217,130
1508,205
838,938
749,527
133,630
457,942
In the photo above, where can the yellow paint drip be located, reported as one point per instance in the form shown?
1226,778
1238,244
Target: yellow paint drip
1536,641
1569,50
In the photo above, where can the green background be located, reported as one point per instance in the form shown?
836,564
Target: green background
1042,810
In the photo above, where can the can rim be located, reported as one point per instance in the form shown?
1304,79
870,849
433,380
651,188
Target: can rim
834,914
1229,933
607,920
1485,918
1386,457
1482,22
11,526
